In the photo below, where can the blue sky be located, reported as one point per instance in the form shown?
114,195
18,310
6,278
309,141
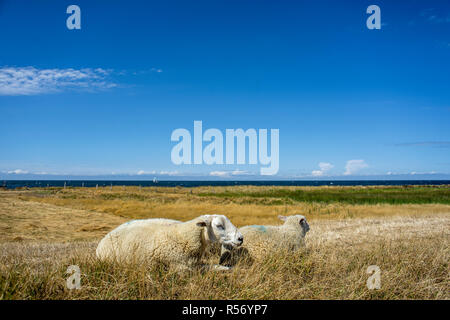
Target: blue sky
348,101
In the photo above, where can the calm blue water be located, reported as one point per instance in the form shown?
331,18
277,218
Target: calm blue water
11,184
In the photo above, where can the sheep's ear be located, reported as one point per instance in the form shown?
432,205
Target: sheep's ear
204,221
302,220
282,218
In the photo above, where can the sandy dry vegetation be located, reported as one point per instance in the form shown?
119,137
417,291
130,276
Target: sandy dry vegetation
41,234
25,220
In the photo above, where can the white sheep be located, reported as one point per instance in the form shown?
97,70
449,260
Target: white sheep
261,240
178,244
146,222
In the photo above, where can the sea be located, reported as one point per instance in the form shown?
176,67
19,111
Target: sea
13,184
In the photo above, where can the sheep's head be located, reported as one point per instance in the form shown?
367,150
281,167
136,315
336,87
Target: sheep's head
297,221
219,228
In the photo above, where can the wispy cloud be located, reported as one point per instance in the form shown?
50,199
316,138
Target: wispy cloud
324,168
18,171
169,173
141,72
229,173
440,144
142,172
432,16
420,173
32,81
154,172
219,173
353,169
353,166
240,173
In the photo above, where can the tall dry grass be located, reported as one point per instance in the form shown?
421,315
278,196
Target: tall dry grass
413,255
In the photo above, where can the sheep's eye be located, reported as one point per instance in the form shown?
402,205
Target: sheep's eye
220,227
302,221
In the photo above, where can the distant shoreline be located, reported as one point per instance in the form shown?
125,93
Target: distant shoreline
13,184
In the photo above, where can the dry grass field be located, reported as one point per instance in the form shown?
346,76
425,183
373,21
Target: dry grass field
43,231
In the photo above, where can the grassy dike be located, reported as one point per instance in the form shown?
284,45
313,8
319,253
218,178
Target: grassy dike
347,195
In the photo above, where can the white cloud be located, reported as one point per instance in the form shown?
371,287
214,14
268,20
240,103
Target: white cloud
18,171
32,81
317,173
218,173
354,166
142,172
324,168
164,173
228,173
169,173
414,172
239,173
